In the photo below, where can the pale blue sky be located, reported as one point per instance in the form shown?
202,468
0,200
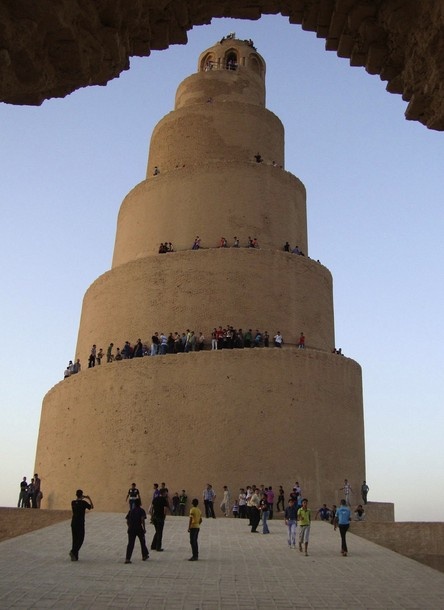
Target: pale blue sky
374,198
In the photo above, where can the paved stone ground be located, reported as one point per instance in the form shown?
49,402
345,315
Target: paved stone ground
236,570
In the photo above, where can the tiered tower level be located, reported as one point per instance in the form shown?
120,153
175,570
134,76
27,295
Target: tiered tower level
228,417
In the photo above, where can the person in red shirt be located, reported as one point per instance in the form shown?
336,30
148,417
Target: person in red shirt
219,337
270,500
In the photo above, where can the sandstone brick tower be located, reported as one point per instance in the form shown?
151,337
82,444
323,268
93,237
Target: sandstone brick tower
232,416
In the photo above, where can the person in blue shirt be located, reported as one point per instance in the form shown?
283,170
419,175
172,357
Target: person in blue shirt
342,519
323,512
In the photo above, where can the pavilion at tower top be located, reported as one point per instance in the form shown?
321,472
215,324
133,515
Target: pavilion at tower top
232,54
216,68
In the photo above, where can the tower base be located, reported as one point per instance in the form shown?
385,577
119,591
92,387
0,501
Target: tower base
262,415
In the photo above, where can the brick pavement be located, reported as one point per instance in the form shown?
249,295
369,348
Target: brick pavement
236,571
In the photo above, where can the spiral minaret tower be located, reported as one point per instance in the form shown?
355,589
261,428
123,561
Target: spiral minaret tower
231,416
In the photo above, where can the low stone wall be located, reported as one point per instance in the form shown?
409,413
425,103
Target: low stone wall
377,512
421,541
18,521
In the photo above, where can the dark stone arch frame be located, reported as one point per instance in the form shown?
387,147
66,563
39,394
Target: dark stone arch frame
51,49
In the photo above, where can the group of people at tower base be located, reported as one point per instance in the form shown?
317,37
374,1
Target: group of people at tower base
30,495
136,522
252,503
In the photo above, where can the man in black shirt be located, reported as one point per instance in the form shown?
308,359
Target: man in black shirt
136,529
79,506
23,493
158,511
132,495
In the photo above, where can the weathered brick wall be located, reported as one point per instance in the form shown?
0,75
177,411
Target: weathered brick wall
421,541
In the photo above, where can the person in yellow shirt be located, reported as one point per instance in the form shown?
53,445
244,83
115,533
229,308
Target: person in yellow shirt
194,527
304,518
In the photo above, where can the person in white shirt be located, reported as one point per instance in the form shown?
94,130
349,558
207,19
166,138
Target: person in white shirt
278,340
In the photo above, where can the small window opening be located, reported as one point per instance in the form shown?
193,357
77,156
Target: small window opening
231,61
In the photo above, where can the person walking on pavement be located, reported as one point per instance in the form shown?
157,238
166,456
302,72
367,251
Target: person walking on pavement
136,529
304,518
158,512
342,519
290,522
